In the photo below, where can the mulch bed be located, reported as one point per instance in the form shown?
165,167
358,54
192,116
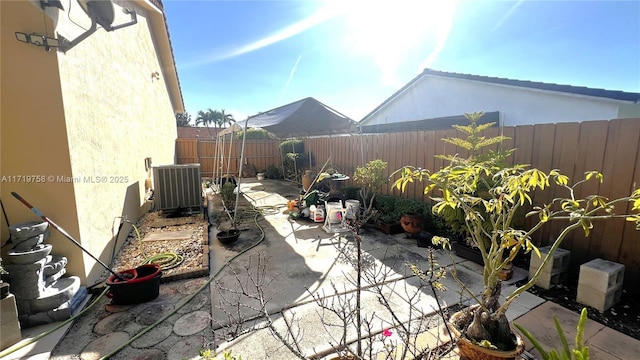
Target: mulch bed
194,250
623,317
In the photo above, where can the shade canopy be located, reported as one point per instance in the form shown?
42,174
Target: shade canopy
306,117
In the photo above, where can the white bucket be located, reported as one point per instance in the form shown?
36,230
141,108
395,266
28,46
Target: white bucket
335,216
353,207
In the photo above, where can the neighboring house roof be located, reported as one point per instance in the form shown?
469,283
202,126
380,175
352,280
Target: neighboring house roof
306,117
570,89
159,25
441,123
196,132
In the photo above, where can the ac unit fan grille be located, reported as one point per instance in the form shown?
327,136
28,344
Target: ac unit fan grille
177,187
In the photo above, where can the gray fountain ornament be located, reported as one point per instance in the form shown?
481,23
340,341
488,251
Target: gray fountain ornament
43,294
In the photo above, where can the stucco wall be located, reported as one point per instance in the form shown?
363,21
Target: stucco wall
33,131
33,136
433,97
118,113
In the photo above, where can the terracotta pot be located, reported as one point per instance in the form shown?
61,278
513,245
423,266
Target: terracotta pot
411,223
471,351
468,350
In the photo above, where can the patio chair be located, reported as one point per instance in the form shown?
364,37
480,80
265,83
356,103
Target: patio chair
335,215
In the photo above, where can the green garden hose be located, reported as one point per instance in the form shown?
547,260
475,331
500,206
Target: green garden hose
172,263
167,260
258,212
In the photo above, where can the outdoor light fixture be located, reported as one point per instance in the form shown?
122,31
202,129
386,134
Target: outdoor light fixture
38,40
99,11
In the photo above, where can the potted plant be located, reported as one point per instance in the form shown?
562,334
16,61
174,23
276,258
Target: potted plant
228,196
370,178
386,217
491,195
273,172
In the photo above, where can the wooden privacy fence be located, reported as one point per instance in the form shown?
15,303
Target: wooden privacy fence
611,147
259,153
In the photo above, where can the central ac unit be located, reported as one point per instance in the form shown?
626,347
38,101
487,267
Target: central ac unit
178,187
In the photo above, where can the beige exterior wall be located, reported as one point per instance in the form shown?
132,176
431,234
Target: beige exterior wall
33,130
117,114
112,115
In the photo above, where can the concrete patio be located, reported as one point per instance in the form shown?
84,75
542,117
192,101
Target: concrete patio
296,261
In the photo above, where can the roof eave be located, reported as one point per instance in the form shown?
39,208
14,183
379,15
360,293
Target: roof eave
157,22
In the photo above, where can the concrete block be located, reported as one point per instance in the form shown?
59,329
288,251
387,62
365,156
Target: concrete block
601,275
600,300
9,326
559,262
548,280
555,271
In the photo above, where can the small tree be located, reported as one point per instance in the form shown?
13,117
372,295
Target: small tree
489,216
370,178
183,119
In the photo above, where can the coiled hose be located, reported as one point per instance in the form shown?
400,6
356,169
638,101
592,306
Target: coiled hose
167,260
258,211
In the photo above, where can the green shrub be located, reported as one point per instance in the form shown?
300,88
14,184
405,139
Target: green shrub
257,134
386,205
227,195
291,146
273,172
294,159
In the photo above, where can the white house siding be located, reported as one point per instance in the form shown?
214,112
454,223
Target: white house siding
432,97
117,114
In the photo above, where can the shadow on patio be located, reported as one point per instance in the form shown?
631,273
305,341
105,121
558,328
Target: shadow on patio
298,261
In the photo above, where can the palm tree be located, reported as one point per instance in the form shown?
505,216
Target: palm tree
226,118
207,118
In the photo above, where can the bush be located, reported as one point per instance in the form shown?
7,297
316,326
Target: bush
257,134
391,208
291,146
227,195
273,172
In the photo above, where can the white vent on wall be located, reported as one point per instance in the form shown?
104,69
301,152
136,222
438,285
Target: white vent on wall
177,187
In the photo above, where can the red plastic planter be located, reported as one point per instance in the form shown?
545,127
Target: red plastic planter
142,285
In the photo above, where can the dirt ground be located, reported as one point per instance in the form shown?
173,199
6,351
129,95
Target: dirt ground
186,237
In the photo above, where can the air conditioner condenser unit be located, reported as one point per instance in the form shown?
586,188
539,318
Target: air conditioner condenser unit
178,187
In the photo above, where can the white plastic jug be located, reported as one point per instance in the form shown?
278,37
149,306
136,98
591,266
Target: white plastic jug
353,207
317,214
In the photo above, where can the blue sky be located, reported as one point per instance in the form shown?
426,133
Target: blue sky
252,56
